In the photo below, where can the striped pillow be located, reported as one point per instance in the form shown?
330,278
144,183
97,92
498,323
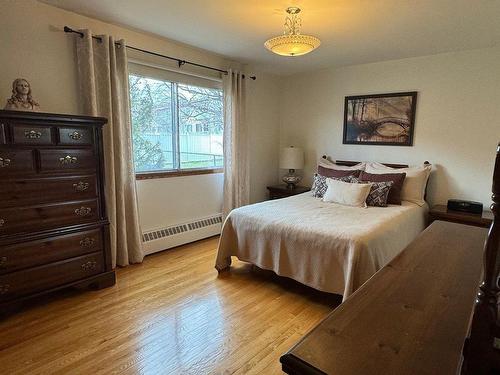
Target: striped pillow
319,184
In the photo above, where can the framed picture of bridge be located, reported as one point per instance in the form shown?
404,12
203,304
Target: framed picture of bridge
382,119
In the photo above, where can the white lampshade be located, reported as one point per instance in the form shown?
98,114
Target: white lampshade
291,158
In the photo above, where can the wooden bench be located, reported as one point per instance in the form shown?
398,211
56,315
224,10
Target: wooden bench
415,314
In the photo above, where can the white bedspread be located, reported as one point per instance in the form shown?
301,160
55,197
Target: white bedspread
327,246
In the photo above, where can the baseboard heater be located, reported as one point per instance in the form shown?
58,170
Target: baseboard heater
180,234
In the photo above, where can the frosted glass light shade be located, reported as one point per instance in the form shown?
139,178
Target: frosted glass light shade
291,158
292,45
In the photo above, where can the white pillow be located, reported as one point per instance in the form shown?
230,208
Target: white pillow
331,165
346,193
413,189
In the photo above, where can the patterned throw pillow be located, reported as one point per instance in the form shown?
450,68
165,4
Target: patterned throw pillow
319,187
319,184
397,181
378,193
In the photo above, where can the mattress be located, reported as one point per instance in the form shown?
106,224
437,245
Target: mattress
327,246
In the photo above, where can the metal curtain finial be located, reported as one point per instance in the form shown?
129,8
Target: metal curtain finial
70,30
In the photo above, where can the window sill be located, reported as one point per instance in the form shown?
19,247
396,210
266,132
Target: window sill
176,173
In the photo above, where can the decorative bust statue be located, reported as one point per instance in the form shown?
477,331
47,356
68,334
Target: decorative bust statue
21,99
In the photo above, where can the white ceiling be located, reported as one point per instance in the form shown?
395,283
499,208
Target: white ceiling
351,31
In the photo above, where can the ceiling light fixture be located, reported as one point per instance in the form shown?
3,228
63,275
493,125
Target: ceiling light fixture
292,42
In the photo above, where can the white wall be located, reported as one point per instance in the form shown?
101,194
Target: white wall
35,47
171,201
457,121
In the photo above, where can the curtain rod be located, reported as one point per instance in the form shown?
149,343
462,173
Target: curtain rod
179,61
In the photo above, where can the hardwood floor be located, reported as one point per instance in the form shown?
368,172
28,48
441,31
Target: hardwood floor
172,314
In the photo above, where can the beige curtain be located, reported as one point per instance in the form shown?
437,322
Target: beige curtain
236,169
103,76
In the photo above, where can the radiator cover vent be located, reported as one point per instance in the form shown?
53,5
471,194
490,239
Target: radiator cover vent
181,228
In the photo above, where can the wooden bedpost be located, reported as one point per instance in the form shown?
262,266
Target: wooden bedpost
479,355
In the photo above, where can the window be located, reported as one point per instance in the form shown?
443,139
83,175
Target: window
177,121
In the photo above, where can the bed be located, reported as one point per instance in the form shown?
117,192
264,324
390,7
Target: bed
327,246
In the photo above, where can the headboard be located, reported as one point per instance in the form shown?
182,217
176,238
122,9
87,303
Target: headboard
349,163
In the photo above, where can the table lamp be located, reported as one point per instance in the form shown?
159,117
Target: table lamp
291,158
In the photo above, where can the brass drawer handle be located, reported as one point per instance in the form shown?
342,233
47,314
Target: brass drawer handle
68,160
81,186
2,222
4,289
3,261
83,211
75,136
87,242
89,266
32,134
4,162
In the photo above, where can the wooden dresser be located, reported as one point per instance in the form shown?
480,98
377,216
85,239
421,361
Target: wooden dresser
53,223
411,317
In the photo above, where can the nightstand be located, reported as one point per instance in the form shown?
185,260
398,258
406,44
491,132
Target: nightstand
441,212
282,191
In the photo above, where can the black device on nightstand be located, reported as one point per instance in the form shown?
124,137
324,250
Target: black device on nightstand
465,206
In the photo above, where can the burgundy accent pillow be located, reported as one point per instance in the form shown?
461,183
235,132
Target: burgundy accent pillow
336,173
397,183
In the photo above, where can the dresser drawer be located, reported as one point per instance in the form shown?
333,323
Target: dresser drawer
15,193
75,136
35,218
52,249
32,135
66,160
15,162
32,280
